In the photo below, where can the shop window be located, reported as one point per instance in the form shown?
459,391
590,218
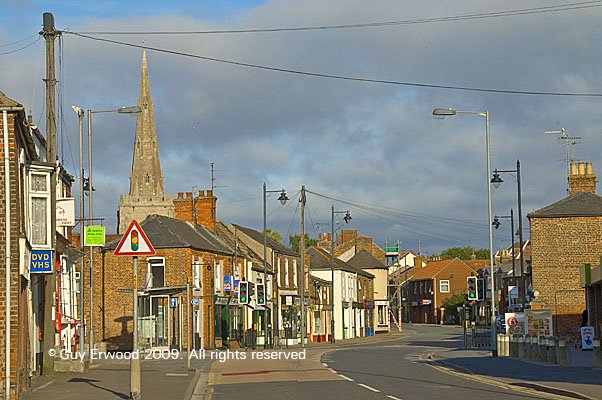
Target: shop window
382,315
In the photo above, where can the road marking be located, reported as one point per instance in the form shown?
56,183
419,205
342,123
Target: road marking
324,364
173,374
346,377
393,397
369,387
332,370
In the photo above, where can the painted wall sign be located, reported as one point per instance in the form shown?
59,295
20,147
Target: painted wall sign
40,262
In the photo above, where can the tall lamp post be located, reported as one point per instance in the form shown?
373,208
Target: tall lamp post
346,218
283,199
122,110
80,115
444,112
496,224
496,180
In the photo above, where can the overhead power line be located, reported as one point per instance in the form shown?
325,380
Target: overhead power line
20,48
494,14
334,76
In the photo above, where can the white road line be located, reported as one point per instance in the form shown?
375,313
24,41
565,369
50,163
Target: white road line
393,397
324,364
369,387
346,377
172,374
332,370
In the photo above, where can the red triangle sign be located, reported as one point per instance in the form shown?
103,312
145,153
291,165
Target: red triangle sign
134,242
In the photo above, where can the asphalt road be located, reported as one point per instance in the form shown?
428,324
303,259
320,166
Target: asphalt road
396,369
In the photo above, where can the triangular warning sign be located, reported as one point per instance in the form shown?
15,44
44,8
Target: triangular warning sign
134,242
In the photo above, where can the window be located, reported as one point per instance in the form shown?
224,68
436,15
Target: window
286,282
278,270
197,277
218,276
317,322
155,272
39,218
444,286
382,315
295,273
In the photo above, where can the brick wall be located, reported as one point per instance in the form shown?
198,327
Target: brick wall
19,351
113,308
559,247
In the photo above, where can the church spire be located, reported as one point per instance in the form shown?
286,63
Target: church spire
146,177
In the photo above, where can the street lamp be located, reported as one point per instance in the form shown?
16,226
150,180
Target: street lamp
283,199
80,115
443,112
496,224
497,181
346,218
122,110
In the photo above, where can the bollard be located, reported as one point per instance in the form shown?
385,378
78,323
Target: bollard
521,346
528,348
498,345
534,348
562,359
597,354
543,349
552,359
506,345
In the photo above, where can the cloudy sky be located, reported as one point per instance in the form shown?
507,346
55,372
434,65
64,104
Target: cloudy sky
375,147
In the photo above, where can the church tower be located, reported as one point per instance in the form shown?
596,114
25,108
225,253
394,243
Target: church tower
146,195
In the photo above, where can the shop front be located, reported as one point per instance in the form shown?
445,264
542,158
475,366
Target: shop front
290,320
228,322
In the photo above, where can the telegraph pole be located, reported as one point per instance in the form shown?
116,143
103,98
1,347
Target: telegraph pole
302,251
49,32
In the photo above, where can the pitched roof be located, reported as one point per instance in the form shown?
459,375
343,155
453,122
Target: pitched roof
169,233
239,246
320,259
365,260
433,268
6,101
272,244
582,204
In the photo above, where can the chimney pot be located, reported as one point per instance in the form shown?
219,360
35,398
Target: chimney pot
589,170
574,169
189,195
209,193
201,193
581,168
180,195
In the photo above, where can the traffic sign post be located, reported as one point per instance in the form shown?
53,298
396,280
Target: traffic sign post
134,243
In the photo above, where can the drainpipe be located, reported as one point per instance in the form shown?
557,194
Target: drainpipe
7,251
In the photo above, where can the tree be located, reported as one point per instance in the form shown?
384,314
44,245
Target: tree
293,241
273,234
464,253
456,300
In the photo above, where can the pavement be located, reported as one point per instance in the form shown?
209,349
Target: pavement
110,379
577,381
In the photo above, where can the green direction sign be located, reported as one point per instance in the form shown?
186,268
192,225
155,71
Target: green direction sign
94,236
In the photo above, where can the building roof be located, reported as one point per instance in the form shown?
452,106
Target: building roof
6,101
272,244
432,269
320,259
240,248
365,260
582,204
170,233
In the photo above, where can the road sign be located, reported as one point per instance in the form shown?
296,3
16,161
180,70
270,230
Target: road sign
587,338
195,302
173,302
134,242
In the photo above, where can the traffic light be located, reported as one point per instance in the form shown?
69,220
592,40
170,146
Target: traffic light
134,240
480,289
243,292
251,289
471,287
260,294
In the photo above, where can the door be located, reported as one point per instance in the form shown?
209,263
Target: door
159,307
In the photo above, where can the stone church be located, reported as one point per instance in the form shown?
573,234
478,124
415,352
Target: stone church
146,196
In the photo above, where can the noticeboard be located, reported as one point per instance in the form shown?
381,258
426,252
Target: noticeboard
539,321
94,235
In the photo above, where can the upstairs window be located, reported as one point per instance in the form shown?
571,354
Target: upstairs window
39,207
155,272
444,286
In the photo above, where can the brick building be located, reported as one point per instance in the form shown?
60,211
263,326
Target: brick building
564,236
435,283
185,254
26,229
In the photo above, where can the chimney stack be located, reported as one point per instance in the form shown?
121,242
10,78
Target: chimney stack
582,178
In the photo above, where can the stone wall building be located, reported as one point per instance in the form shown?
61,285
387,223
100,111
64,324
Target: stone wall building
564,236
